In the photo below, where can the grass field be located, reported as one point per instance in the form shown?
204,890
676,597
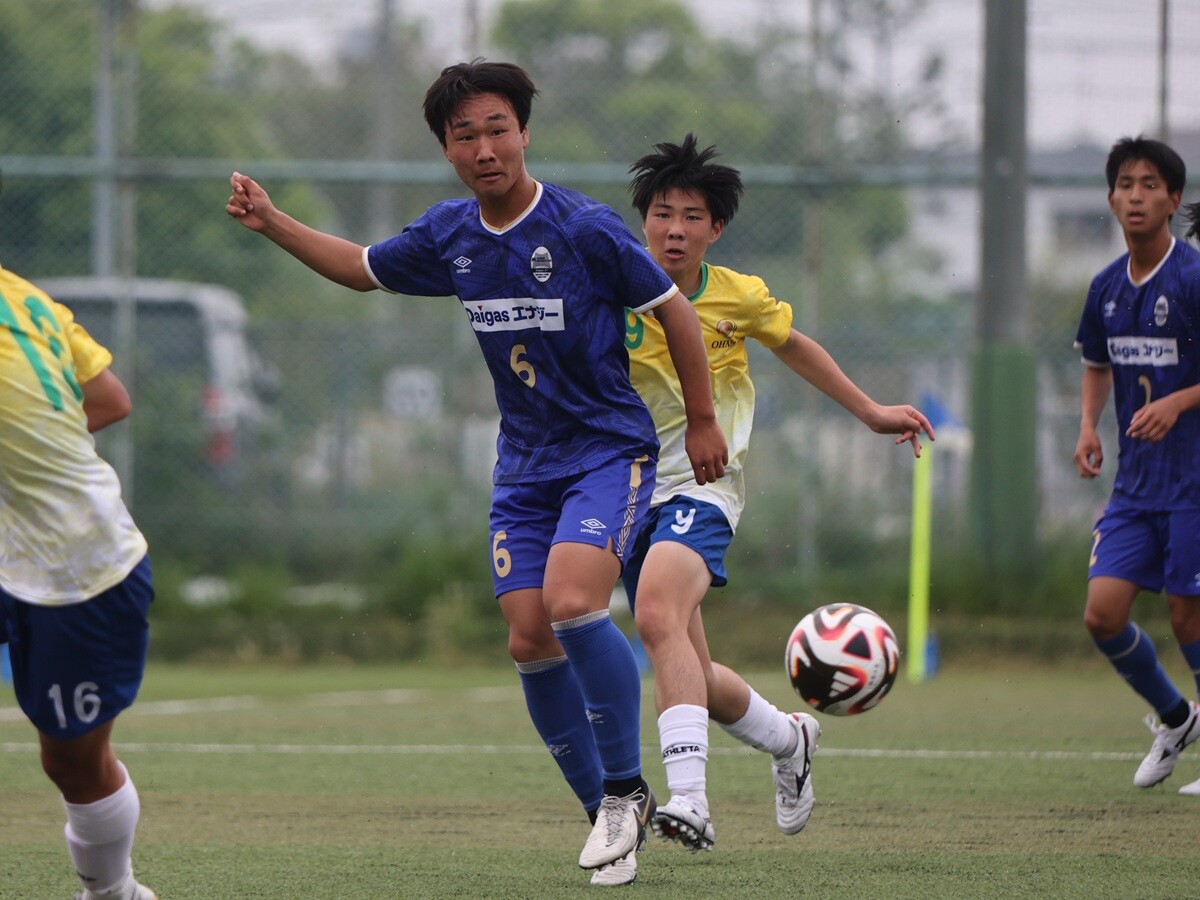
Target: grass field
422,782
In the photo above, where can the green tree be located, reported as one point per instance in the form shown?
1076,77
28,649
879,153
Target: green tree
188,106
618,75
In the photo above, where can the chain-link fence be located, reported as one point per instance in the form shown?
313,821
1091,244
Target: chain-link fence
281,420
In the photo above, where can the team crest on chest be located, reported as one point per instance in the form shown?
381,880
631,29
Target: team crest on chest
541,264
1110,307
726,328
1162,309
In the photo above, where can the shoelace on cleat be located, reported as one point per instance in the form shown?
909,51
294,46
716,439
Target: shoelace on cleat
613,810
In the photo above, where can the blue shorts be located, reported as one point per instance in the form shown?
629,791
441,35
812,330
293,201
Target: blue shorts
1154,550
76,667
693,523
600,507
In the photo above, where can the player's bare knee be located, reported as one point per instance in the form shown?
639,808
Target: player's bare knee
1103,624
71,773
655,624
1185,617
527,648
566,608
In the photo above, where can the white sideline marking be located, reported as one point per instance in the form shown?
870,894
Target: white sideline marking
396,697
403,697
493,749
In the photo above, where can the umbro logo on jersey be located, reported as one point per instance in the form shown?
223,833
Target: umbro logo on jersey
541,264
592,526
464,265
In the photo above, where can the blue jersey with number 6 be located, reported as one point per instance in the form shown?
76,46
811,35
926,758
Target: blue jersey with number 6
546,297
1149,333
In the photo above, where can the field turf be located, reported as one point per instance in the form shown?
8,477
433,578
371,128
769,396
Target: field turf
354,782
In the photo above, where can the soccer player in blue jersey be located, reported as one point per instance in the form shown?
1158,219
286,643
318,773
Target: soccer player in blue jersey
1140,340
544,275
75,582
686,200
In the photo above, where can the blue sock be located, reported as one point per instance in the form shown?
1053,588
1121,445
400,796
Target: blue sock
1191,653
608,677
556,707
1132,654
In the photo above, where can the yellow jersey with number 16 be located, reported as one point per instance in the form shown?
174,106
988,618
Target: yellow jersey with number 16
732,308
65,534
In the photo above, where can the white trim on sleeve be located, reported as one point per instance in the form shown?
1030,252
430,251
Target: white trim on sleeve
657,301
366,263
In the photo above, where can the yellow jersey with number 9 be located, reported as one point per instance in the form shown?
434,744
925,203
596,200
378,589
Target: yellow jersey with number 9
732,308
65,534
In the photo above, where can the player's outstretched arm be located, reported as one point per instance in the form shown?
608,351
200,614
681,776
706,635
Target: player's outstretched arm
812,362
1093,394
704,441
335,258
105,401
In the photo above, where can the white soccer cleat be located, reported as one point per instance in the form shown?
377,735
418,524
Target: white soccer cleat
1168,744
687,821
1192,789
615,874
793,776
126,890
620,828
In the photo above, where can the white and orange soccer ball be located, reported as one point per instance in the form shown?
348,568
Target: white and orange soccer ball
842,659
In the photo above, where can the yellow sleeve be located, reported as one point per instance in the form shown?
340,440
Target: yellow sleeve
90,358
771,319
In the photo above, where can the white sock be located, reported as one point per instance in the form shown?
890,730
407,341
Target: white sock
100,837
683,735
765,728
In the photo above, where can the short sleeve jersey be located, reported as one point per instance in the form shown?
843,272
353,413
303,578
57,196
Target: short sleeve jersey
65,534
732,308
545,296
1149,333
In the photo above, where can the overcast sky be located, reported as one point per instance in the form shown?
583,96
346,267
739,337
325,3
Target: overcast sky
1093,64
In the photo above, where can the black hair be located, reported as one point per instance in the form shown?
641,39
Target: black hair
463,80
1158,154
1191,214
672,166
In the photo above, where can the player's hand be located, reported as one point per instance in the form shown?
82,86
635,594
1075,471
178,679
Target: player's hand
905,421
1088,454
248,202
1153,421
706,448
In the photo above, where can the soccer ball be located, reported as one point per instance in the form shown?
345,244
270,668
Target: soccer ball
842,659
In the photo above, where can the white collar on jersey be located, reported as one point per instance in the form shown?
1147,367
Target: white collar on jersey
1154,271
537,195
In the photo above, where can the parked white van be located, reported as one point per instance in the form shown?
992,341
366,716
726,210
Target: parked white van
190,336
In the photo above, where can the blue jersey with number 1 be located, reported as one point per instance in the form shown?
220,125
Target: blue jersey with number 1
1149,333
546,296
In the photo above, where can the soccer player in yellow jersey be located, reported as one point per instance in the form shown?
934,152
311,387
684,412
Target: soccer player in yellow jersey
75,582
686,201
